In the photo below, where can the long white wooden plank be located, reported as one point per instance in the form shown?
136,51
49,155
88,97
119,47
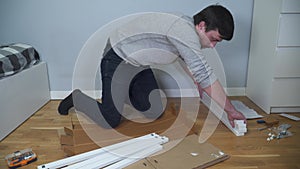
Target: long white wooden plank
138,156
112,156
93,153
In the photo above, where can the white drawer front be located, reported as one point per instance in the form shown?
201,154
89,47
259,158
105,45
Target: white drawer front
289,30
286,92
287,62
290,6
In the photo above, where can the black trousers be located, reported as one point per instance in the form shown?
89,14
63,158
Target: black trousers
122,83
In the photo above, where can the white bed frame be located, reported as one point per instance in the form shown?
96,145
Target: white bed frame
21,95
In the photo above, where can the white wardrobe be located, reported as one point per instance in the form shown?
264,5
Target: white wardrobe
274,63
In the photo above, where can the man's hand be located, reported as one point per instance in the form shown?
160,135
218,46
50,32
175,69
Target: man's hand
235,116
220,97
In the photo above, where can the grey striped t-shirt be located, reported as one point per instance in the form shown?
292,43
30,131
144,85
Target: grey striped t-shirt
160,38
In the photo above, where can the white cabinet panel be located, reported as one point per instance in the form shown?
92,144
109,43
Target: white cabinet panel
291,6
274,62
289,30
286,92
287,62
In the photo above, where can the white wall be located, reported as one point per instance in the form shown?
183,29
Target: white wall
58,29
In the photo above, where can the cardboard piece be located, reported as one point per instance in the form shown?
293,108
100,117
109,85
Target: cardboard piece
75,137
142,164
188,154
76,141
168,125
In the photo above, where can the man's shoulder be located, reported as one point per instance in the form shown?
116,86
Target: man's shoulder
166,16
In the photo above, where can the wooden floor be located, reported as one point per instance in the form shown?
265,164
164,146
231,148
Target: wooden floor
41,133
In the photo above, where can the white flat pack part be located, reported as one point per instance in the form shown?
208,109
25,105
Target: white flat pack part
119,151
240,126
239,130
290,116
110,157
138,156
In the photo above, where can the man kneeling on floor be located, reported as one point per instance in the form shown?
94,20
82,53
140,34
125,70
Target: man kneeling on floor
125,66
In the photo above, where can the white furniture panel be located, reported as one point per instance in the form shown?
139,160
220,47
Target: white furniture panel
287,62
289,30
22,95
274,62
286,92
291,6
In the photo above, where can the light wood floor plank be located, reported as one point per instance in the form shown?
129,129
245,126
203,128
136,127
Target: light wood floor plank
41,133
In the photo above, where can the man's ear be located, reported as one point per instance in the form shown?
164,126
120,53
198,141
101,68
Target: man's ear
201,26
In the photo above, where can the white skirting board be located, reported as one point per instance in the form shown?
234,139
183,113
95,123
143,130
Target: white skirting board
21,96
58,95
285,109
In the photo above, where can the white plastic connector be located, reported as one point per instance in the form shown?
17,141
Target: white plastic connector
240,126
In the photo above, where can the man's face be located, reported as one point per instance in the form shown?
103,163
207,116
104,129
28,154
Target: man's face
208,39
214,37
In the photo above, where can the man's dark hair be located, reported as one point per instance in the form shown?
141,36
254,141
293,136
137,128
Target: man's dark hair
216,17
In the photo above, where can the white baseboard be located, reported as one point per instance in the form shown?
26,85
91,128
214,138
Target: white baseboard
236,91
58,95
285,109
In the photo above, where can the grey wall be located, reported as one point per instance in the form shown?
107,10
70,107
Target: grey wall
58,29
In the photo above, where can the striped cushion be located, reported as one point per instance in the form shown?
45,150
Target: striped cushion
16,57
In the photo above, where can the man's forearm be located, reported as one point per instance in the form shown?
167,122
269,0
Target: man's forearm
217,93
